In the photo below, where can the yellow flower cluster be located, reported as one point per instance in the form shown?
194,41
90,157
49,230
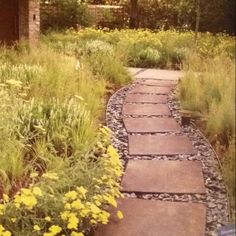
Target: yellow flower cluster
27,197
79,208
4,232
53,230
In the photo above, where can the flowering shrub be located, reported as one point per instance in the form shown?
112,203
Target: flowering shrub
66,202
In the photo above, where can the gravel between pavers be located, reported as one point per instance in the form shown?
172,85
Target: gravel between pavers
216,195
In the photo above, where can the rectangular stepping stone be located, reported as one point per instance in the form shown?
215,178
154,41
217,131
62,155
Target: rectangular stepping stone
158,83
150,89
160,145
146,109
156,218
160,74
151,125
155,176
146,98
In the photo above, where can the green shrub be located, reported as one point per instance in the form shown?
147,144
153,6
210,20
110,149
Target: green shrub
63,14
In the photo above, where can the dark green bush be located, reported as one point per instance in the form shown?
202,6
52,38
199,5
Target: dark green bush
62,14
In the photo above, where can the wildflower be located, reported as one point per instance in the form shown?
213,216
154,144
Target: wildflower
34,174
52,176
36,228
37,191
55,229
76,234
103,217
2,208
4,232
111,200
120,215
48,218
73,221
77,204
68,206
26,198
5,198
72,195
82,191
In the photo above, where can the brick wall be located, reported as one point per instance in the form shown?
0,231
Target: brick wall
29,20
106,13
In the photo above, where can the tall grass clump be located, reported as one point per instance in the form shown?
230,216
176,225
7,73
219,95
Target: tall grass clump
208,89
58,170
101,56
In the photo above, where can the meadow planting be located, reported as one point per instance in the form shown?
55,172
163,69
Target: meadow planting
59,172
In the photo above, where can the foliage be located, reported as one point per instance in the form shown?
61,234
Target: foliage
216,15
144,48
98,54
62,14
59,172
208,89
229,176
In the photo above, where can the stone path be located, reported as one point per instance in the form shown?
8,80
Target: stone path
153,131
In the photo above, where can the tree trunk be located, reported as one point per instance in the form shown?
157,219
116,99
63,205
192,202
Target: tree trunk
198,15
133,14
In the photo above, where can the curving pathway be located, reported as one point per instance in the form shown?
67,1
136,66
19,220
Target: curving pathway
153,132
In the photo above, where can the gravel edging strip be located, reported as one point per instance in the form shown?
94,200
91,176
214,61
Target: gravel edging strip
216,195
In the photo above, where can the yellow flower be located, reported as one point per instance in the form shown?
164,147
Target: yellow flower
68,206
34,174
4,232
103,217
94,209
29,201
36,228
82,191
48,218
37,191
5,198
65,215
55,229
76,234
2,208
120,215
52,176
72,195
77,204
73,221
111,200
26,198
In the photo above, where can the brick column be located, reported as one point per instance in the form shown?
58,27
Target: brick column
29,20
